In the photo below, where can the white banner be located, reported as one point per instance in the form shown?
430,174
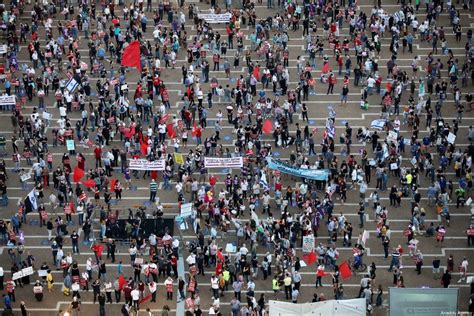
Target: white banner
143,164
236,162
7,100
216,18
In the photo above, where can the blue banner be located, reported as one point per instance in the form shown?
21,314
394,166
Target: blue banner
311,174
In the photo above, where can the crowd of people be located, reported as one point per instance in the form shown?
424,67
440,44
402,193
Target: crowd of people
411,143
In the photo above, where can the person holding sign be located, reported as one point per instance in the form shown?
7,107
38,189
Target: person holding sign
38,291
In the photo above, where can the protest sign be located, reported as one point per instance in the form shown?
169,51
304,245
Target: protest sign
236,162
143,164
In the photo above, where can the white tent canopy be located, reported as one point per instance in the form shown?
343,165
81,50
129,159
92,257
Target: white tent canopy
352,307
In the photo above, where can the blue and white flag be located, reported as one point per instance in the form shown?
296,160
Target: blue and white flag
71,85
378,124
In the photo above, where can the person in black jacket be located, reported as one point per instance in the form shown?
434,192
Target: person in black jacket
102,304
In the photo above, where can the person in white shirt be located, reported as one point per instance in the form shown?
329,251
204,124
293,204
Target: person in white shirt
463,269
136,298
152,288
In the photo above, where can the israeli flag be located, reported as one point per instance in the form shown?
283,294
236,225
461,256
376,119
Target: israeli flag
71,85
31,202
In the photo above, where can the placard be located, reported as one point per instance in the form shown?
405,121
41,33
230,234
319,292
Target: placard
70,144
186,209
392,136
143,164
236,162
47,116
138,261
178,158
451,138
308,243
3,49
17,275
365,236
393,166
25,177
27,271
42,273
230,248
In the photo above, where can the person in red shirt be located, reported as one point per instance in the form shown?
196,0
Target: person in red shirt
98,156
331,81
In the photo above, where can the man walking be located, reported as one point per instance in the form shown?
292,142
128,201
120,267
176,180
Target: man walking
153,190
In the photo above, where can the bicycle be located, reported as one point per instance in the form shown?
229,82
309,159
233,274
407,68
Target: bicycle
361,268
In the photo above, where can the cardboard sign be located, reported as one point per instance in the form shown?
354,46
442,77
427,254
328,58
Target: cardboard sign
392,136
70,144
17,275
308,243
186,209
47,116
230,248
25,177
451,138
138,261
178,158
27,271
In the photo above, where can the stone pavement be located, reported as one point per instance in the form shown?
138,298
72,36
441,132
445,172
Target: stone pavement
35,238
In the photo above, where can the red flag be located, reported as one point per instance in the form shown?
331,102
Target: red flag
131,56
267,127
310,258
164,118
99,250
170,130
71,205
89,183
146,298
345,270
122,282
144,148
112,184
325,68
220,256
78,174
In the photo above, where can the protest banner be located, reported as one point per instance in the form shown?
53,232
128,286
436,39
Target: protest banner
143,164
236,162
215,18
7,100
312,174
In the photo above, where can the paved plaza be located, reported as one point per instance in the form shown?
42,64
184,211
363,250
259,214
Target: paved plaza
327,117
